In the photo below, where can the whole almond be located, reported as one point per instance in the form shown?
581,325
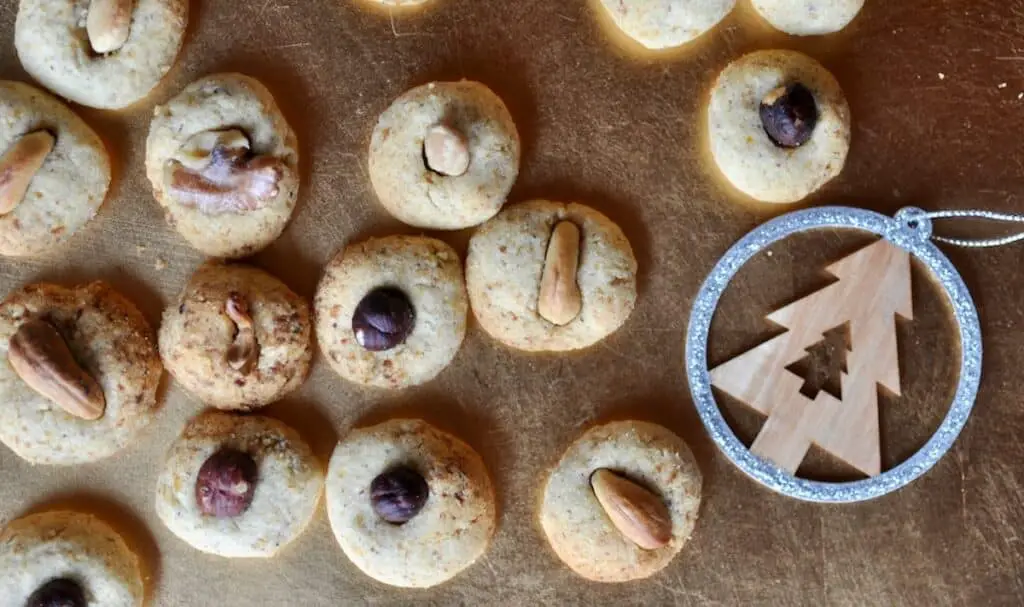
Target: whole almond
108,24
560,300
19,165
637,513
446,151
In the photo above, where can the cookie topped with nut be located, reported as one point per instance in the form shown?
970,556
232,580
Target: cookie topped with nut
100,53
223,163
78,373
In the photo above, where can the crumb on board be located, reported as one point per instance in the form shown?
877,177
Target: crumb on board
942,76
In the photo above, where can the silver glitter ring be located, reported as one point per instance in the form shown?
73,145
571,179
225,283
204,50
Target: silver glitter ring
910,230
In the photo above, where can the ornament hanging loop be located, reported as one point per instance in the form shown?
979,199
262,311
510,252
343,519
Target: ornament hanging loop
915,216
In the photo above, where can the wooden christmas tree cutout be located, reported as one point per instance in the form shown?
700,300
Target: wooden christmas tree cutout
873,287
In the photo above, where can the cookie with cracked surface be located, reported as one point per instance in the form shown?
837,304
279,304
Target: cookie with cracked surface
237,338
223,163
451,529
808,17
662,24
100,53
238,486
753,159
110,340
576,524
444,155
391,312
506,265
64,168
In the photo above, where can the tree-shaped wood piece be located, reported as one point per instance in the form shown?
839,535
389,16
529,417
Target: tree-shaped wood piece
873,286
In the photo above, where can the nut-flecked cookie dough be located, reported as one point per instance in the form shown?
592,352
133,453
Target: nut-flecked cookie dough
661,24
67,558
510,261
749,157
444,155
224,165
79,372
808,17
237,338
238,486
576,523
391,312
59,171
100,53
432,484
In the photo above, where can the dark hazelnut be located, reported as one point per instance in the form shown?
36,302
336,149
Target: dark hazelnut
60,592
398,494
789,115
226,483
383,319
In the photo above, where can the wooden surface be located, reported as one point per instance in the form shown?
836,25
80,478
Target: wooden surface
624,134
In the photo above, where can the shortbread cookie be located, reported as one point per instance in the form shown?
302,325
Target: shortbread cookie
101,53
106,393
808,17
818,120
444,155
661,24
59,176
238,486
410,505
576,524
67,558
224,165
506,267
237,338
391,312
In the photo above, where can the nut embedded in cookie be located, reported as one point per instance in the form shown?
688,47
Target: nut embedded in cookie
19,165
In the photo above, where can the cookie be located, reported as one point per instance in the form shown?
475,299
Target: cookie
661,24
238,486
754,162
576,524
67,555
113,366
100,53
391,312
224,165
451,529
506,265
60,171
808,17
444,155
237,338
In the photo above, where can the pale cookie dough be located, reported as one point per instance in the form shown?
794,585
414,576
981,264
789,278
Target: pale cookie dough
218,103
421,197
429,273
78,547
449,534
70,186
197,335
288,485
661,24
808,17
111,340
742,149
506,262
576,524
54,47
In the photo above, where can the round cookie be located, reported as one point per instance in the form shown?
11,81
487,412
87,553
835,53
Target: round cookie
285,492
808,17
70,184
224,165
111,341
428,272
741,147
78,549
505,266
576,525
661,24
57,45
449,534
475,122
237,365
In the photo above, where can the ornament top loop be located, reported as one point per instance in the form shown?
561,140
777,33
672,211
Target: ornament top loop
915,223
